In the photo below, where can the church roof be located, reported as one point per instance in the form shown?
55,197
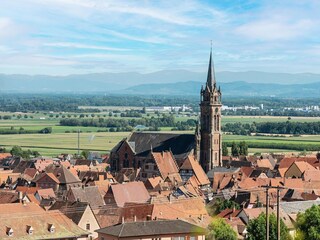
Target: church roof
179,144
211,78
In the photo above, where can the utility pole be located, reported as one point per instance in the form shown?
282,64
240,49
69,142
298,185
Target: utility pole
278,213
267,212
78,142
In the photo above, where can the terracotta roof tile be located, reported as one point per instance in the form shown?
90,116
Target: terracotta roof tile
311,175
192,164
4,155
246,171
264,163
18,216
46,193
134,192
226,213
165,162
154,182
287,161
27,190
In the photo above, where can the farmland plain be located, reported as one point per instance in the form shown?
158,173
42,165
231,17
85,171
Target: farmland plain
64,139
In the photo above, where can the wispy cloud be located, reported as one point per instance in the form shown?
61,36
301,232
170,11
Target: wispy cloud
77,36
82,46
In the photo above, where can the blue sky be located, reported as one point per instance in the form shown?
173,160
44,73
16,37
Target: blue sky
60,37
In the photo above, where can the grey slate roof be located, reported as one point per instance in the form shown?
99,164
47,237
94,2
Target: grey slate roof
179,144
88,194
151,228
210,174
298,206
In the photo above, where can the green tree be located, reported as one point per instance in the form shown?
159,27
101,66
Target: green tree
85,154
218,229
16,151
235,149
225,151
243,148
257,228
308,224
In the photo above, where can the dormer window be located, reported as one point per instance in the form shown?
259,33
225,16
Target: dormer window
51,228
30,230
9,231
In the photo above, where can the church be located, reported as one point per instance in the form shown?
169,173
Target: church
205,145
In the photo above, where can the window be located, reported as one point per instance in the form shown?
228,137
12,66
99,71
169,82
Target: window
144,175
155,167
146,166
178,238
88,226
193,237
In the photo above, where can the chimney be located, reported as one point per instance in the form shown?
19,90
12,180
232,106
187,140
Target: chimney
24,202
122,220
134,218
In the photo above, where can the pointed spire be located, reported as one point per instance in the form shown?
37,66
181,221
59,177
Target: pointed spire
211,78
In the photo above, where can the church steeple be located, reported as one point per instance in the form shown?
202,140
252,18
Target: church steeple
210,122
211,78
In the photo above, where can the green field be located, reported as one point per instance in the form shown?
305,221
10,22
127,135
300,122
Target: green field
61,142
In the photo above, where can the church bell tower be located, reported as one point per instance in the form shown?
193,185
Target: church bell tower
210,122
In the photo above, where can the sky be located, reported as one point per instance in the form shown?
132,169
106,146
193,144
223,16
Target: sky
61,37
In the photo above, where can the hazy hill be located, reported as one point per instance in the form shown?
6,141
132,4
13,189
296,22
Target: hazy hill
239,88
167,82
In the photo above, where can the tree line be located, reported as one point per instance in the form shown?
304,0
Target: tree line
21,130
154,122
287,127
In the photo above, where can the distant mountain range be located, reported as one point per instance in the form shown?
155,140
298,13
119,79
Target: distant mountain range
174,82
239,88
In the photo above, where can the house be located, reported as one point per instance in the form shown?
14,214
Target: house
90,194
47,180
30,221
81,214
192,210
8,197
152,184
127,175
135,212
57,177
297,169
135,149
192,167
7,177
160,164
161,229
46,194
132,192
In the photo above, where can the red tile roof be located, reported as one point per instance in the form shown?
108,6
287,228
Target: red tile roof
46,193
4,155
27,190
19,216
287,161
229,213
166,163
192,164
132,192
